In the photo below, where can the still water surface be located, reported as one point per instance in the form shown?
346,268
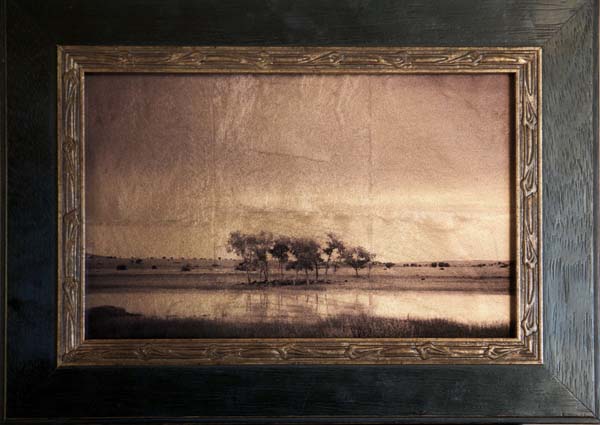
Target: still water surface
303,304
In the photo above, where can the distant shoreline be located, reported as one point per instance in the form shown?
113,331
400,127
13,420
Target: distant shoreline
115,274
90,255
129,283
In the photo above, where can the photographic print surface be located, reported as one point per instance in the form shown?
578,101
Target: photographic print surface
299,206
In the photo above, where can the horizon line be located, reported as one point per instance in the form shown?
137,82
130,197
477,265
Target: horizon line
168,257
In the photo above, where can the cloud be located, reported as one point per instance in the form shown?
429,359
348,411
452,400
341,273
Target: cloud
174,163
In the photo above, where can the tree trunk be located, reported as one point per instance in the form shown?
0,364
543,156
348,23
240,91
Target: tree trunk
356,271
248,275
316,273
306,272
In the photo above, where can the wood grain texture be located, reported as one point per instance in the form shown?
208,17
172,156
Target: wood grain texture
392,392
568,164
596,277
304,22
368,394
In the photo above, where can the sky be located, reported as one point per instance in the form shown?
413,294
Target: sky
412,167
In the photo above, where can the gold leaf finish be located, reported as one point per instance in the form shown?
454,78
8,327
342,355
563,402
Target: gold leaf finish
75,61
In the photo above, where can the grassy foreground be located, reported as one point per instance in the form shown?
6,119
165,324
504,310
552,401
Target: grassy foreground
108,322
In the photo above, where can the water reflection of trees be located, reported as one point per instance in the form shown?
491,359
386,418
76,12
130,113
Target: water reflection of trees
306,305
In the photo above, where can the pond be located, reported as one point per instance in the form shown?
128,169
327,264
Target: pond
301,304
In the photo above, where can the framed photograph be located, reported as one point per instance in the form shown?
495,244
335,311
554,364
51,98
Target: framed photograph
299,205
300,212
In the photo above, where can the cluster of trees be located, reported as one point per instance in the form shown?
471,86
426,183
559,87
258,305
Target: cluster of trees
298,254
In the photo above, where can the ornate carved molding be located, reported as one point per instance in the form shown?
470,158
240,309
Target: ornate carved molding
299,352
75,61
294,59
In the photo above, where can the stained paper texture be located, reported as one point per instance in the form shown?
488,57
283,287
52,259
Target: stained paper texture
411,174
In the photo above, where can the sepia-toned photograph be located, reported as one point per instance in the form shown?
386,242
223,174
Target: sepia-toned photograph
299,206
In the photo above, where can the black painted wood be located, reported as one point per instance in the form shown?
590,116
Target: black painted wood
2,194
31,155
313,391
563,390
568,162
304,22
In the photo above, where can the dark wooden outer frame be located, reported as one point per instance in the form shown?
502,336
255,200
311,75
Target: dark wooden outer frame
75,62
564,389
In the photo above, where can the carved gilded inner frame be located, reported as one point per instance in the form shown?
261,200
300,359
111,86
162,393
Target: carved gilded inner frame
75,61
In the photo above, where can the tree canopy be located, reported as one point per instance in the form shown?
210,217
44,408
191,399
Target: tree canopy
301,254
